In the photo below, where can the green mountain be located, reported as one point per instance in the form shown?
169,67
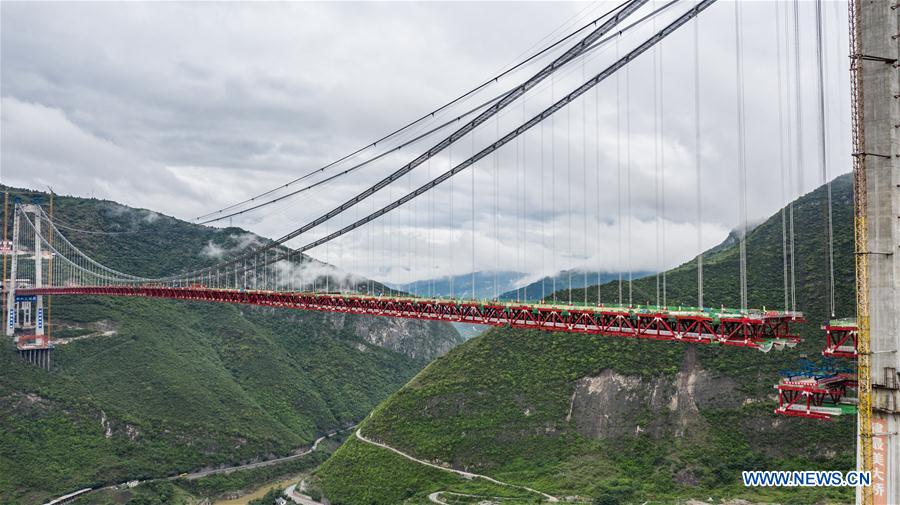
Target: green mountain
143,388
615,420
577,279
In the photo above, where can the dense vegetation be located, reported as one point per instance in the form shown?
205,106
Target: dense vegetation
502,403
177,385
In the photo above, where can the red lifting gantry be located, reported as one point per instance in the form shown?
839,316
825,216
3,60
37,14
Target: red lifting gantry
822,394
840,339
816,397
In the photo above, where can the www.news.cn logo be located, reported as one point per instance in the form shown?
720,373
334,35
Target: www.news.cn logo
808,478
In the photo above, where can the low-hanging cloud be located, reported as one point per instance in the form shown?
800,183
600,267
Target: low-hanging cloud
314,274
234,243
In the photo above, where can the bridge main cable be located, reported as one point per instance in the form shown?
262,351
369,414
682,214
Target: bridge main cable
582,46
208,217
612,69
656,38
406,143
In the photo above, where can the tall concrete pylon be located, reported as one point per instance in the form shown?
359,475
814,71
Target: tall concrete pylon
877,59
38,267
12,313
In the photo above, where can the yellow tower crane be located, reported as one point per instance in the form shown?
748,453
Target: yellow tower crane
864,354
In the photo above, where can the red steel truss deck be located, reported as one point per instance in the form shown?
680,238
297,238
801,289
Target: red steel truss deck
756,330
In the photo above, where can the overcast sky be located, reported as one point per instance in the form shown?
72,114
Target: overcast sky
187,108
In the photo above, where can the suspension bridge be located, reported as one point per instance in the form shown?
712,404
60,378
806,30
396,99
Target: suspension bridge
44,262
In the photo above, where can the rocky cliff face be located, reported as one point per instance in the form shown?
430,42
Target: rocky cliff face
611,405
420,340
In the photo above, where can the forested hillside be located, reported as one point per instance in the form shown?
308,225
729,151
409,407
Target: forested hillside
144,388
615,420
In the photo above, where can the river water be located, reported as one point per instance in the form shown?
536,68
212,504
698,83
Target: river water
260,491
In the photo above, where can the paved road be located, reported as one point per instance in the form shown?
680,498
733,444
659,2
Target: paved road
298,498
215,471
468,475
249,466
436,497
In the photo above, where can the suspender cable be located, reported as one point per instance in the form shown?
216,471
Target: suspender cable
628,177
619,172
781,150
820,64
450,234
524,202
496,196
411,255
519,206
798,141
570,252
656,167
662,171
597,194
431,230
543,223
553,187
742,156
584,186
472,190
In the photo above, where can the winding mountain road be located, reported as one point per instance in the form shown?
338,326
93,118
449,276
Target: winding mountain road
249,466
467,475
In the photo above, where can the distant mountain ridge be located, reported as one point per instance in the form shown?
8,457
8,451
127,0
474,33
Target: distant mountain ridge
487,285
576,279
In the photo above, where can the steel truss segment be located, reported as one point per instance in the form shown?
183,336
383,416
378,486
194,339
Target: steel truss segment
757,331
840,340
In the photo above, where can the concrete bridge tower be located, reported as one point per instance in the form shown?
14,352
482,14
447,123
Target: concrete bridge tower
877,36
34,348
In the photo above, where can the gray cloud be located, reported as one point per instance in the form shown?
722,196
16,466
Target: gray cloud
184,108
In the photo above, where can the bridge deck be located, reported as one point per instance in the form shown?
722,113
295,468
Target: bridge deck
756,329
